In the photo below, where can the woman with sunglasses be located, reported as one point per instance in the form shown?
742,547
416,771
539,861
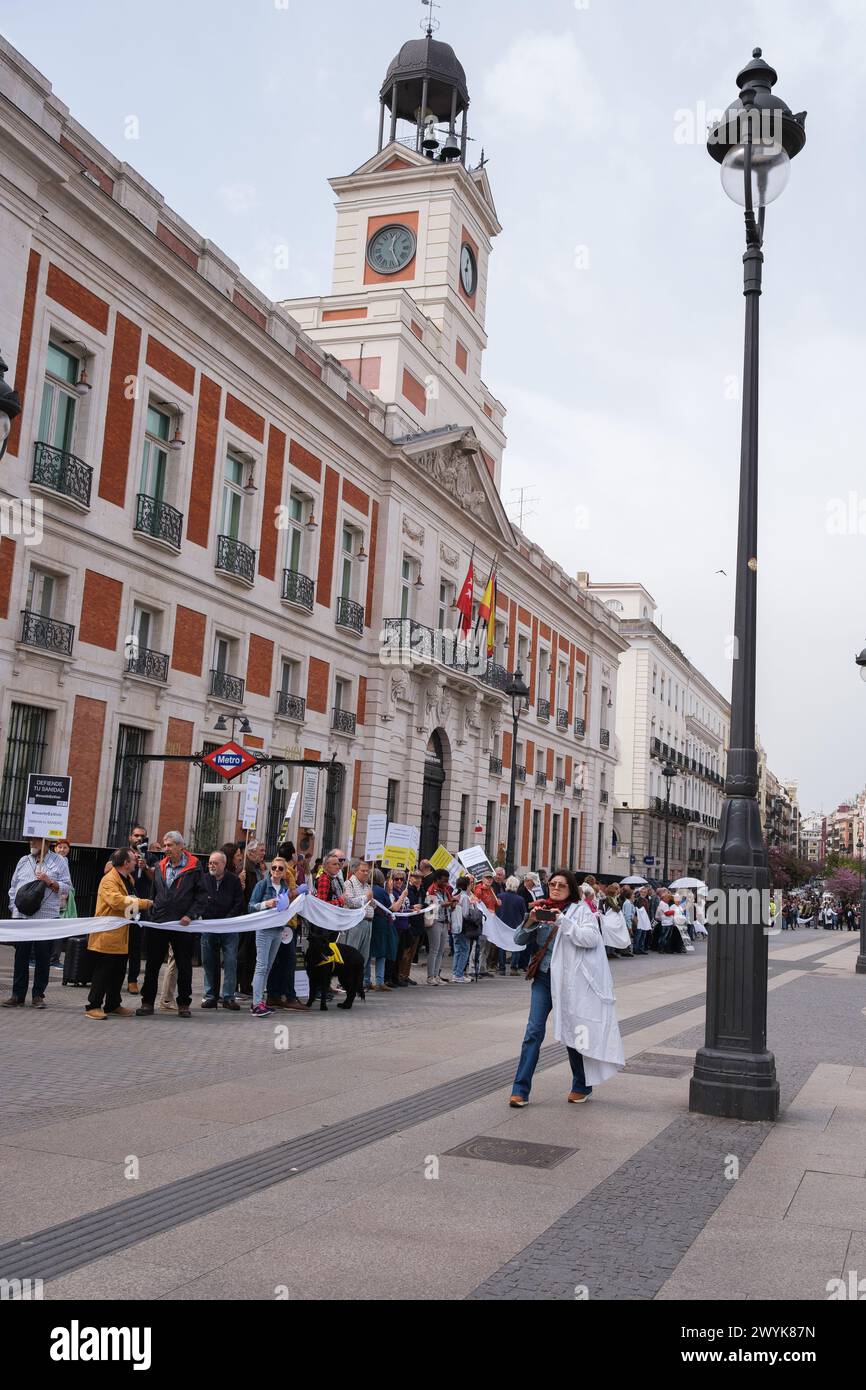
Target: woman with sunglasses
273,891
571,976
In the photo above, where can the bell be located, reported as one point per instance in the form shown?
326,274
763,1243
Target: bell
451,148
431,139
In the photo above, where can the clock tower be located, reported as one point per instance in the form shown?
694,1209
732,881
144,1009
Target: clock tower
415,225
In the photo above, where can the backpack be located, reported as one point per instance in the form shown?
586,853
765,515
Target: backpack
473,921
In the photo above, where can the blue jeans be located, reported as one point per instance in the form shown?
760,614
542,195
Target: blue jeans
462,948
21,969
641,941
281,981
379,962
267,945
211,944
540,1006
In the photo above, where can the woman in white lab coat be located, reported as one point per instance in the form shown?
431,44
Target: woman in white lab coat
570,976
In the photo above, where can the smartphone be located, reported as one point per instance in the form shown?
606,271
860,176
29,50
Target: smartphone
546,914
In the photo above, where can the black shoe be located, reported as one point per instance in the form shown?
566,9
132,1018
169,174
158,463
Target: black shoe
144,1010
231,1004
411,982
183,1011
209,1003
401,984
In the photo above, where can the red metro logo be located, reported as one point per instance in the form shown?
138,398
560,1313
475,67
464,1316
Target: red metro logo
230,760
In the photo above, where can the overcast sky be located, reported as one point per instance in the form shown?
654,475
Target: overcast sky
615,311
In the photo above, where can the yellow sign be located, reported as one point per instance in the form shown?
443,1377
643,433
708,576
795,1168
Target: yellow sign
442,859
398,857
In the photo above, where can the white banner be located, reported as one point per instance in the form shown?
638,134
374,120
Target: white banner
496,930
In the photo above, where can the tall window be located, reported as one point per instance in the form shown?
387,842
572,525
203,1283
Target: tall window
347,553
464,821
406,582
25,752
490,830
233,497
59,400
42,593
543,690
342,694
554,842
154,462
143,630
126,785
295,538
572,842
536,831
289,672
447,595
523,654
561,687
208,815
391,799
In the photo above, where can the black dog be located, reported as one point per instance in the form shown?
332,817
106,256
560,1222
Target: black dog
350,973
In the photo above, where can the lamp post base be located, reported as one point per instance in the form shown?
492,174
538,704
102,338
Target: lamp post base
860,967
734,1085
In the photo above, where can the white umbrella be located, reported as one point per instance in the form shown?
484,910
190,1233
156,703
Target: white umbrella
633,878
688,883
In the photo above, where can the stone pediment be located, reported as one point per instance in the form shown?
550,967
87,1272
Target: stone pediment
392,159
453,464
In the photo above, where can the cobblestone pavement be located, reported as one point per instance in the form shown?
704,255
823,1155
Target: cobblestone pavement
625,1238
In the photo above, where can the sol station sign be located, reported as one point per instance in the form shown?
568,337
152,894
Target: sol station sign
230,760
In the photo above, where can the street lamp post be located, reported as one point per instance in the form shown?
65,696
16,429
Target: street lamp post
220,726
10,406
518,692
668,772
735,1074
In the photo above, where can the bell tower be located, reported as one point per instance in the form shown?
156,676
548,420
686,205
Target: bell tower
415,225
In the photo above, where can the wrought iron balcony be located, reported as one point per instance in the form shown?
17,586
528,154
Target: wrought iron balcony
655,748
236,559
577,793
543,710
495,675
562,719
405,641
541,779
158,520
291,706
560,784
297,590
343,721
604,797
62,473
226,687
657,804
580,728
153,666
46,633
604,738
519,773
350,615
495,766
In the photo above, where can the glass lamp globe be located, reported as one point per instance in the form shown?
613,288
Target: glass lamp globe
770,169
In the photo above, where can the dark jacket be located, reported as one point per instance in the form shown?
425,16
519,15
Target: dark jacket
225,897
187,896
512,909
383,935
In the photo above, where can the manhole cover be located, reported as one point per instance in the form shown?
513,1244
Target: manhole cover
641,1069
512,1151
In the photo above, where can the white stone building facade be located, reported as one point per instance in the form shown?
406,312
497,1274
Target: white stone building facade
238,514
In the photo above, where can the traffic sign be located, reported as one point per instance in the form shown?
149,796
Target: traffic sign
230,760
649,859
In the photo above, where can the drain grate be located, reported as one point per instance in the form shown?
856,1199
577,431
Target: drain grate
659,1064
525,1155
58,1249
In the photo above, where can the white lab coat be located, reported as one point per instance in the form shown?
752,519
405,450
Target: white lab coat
581,988
614,931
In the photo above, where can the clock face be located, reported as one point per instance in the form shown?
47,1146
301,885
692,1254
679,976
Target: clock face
391,248
468,269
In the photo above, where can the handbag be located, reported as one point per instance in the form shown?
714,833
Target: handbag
28,899
473,921
533,966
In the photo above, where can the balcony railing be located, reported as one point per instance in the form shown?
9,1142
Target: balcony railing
562,719
406,642
655,748
63,473
298,590
519,773
560,784
153,666
236,559
46,633
495,766
158,520
580,728
291,706
604,797
495,675
226,687
343,721
577,793
604,738
541,779
543,711
350,615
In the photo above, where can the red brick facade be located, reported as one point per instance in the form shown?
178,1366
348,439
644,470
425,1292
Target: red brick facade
120,411
272,499
355,497
247,420
304,461
260,665
317,685
25,338
80,301
7,566
175,778
328,538
85,754
188,650
100,610
203,461
170,365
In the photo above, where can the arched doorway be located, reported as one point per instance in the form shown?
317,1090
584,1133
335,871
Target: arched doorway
431,801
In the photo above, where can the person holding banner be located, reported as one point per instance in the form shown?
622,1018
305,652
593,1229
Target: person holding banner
273,890
179,895
115,898
42,877
570,975
440,898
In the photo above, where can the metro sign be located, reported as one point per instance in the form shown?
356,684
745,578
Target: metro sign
230,760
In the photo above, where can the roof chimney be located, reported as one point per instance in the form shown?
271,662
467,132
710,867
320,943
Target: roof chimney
583,579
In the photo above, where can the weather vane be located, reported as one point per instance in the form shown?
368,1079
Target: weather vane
431,24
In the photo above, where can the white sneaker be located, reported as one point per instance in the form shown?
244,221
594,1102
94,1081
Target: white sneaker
431,981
